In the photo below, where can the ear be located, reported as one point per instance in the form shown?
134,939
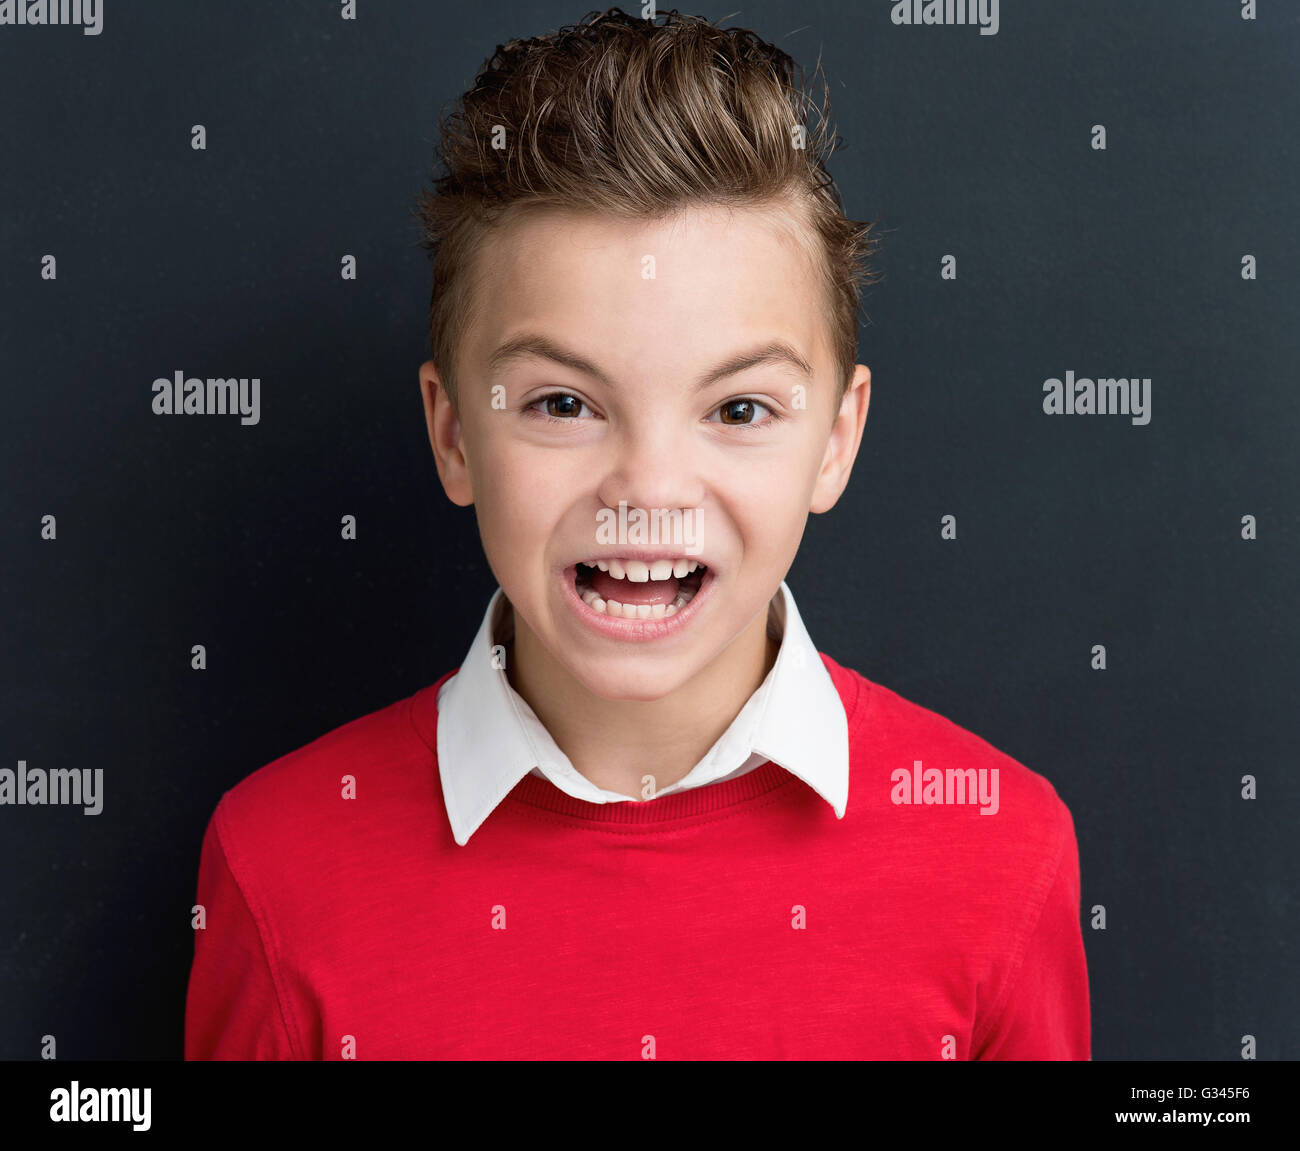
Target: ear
842,447
445,437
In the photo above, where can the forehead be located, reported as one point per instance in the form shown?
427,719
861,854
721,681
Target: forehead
669,292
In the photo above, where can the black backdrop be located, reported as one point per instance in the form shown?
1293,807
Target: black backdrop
1073,531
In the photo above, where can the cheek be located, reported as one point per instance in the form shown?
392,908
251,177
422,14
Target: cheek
763,485
524,494
506,476
768,507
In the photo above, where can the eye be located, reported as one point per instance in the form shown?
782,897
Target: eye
742,412
558,407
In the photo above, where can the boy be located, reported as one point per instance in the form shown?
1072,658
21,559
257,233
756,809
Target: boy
645,818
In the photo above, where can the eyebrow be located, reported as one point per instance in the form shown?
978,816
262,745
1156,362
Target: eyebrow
536,346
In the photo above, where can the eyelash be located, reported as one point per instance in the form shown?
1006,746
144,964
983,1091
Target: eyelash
773,416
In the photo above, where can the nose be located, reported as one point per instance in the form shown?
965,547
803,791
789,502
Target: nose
652,464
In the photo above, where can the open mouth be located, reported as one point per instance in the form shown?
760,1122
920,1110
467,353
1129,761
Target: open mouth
634,589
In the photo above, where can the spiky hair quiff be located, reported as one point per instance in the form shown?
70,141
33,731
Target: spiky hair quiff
636,119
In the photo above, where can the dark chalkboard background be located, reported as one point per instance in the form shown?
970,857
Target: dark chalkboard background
1073,531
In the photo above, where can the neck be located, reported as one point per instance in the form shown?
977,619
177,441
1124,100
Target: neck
617,743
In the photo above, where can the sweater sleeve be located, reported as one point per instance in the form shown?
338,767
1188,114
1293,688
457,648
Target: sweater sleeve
232,1007
1045,1015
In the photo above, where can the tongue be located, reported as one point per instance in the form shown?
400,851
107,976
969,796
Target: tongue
653,591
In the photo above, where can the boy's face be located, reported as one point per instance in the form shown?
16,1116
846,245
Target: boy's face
654,309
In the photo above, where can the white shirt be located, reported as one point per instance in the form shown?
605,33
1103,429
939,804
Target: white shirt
489,738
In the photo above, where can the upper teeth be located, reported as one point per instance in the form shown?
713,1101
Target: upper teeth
638,572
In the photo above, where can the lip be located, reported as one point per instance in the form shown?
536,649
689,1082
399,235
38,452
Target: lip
637,630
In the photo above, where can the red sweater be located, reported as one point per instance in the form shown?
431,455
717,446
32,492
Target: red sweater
739,920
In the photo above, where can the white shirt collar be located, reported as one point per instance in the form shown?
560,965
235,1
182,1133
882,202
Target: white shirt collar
489,738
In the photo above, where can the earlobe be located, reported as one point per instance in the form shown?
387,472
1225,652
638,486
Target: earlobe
445,437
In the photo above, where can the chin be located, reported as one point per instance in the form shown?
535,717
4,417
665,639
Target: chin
630,683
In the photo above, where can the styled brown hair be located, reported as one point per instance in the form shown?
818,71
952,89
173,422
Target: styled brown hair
636,119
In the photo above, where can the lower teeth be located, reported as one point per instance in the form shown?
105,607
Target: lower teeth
637,611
